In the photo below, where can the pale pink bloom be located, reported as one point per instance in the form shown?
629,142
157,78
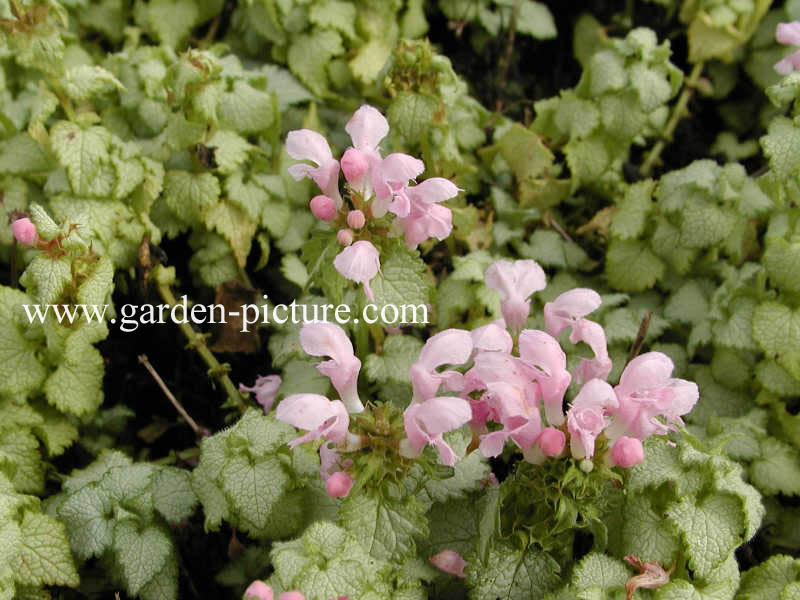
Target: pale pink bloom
492,338
651,575
587,417
321,417
515,282
339,484
543,353
435,222
450,562
448,347
24,231
391,175
265,390
360,263
356,219
354,166
258,590
788,33
646,392
323,208
627,452
569,310
419,215
304,144
327,339
367,127
345,237
425,422
293,595
552,441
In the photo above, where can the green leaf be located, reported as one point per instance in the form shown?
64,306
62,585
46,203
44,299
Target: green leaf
22,154
189,195
511,574
646,534
90,524
770,578
235,226
46,278
632,211
410,114
779,143
535,19
20,460
631,266
309,54
140,553
711,528
778,469
76,384
171,20
601,572
172,494
393,363
385,527
782,261
401,282
44,557
84,81
776,328
371,59
84,153
246,109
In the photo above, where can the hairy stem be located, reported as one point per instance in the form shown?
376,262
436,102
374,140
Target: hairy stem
678,112
197,341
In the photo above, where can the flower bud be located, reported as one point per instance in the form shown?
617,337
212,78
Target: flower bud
323,208
338,484
259,591
293,595
24,231
552,441
356,219
451,562
627,452
354,165
586,465
345,237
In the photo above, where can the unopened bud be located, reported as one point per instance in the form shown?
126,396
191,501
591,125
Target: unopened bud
552,441
345,237
451,562
354,165
627,452
339,484
259,591
356,219
323,208
24,231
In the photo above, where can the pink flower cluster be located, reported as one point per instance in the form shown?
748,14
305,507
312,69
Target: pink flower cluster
789,34
377,185
522,390
258,590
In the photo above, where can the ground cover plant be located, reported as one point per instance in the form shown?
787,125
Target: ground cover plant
393,299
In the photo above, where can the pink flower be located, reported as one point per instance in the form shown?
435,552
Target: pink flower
258,590
788,33
568,310
646,392
448,347
425,422
305,144
543,353
354,166
360,263
515,282
587,417
265,390
450,562
367,127
391,175
327,339
627,452
492,338
419,215
24,231
322,418
323,208
293,595
339,484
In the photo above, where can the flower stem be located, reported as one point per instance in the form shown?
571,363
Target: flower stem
197,341
678,113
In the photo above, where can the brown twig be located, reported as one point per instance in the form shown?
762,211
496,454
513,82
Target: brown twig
640,335
554,224
512,31
199,431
